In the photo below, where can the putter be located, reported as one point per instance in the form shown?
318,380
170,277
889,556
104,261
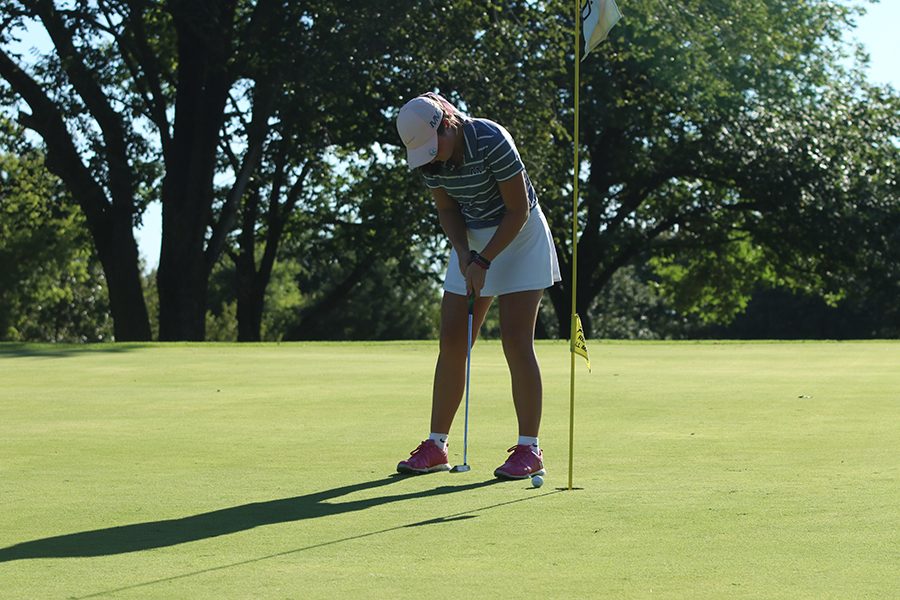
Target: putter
465,466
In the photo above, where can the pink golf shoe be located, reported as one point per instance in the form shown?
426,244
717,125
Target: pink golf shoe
522,464
427,458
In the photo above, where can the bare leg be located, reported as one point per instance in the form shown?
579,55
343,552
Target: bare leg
518,315
450,372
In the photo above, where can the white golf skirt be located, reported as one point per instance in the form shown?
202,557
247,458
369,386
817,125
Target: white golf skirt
529,262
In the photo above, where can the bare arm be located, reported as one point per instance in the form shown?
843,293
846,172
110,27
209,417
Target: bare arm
452,222
515,198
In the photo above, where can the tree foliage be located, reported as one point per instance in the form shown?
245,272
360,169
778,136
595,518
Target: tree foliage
174,98
726,145
728,139
51,287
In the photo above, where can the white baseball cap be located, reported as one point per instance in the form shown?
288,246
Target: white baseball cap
417,125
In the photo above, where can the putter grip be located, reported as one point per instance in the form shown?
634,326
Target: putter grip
471,303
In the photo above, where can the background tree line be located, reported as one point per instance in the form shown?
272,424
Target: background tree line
737,166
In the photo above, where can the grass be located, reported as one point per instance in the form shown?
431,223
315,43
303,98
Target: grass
757,470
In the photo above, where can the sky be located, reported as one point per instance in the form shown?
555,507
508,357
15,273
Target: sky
875,31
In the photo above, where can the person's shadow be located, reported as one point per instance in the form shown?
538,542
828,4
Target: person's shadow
159,534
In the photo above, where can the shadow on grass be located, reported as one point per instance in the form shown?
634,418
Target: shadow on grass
160,534
461,516
21,350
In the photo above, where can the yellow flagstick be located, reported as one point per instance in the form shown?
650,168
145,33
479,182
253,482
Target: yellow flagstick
572,325
600,16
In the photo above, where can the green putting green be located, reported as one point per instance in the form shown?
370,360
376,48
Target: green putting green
704,470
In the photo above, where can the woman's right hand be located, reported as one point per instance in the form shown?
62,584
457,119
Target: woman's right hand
475,276
463,261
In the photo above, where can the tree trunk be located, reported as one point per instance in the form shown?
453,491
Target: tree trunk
250,291
250,302
182,285
561,297
118,254
204,48
182,277
540,329
252,282
110,223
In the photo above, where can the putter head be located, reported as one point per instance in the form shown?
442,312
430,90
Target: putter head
460,469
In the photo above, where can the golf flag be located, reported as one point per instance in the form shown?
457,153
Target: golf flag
579,346
597,18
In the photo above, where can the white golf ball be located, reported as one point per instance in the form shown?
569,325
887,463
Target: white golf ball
537,481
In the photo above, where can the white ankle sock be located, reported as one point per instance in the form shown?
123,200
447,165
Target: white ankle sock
439,439
525,440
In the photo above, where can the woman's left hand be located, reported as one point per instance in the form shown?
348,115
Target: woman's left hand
475,279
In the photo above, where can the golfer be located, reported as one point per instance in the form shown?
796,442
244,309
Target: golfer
502,248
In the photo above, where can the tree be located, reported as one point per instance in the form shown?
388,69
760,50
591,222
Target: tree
726,138
93,159
51,287
325,115
187,93
732,134
156,91
780,314
366,268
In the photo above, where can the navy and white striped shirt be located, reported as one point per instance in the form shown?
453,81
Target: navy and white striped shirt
490,155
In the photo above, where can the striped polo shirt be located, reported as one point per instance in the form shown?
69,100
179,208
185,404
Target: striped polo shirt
490,155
